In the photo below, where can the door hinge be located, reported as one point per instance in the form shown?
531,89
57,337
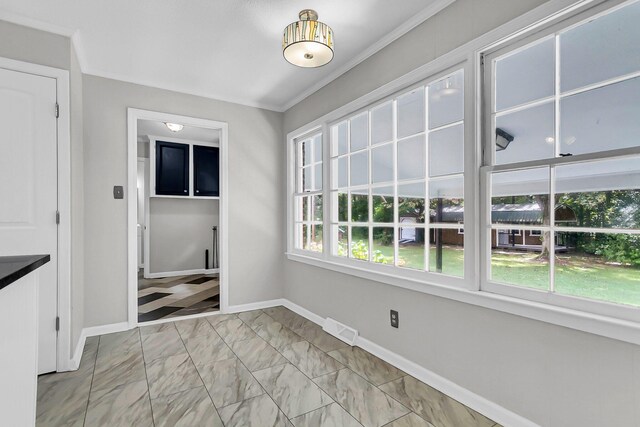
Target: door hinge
57,323
57,110
57,217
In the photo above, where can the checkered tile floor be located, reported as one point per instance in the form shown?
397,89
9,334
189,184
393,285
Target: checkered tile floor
177,296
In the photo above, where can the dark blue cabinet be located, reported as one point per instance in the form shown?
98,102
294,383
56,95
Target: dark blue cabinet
206,175
172,169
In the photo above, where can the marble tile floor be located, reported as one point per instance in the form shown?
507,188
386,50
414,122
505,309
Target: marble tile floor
259,368
177,296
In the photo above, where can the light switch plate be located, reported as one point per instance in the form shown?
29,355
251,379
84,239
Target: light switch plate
118,192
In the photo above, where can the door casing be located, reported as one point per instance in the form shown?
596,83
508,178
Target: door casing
64,353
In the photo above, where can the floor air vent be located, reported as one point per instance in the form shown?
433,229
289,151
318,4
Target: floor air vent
340,331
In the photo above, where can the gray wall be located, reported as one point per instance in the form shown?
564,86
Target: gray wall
256,212
42,48
38,47
551,375
179,232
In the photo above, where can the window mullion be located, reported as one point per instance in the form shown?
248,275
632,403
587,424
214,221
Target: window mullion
396,208
427,200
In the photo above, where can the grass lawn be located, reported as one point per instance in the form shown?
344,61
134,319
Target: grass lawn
576,274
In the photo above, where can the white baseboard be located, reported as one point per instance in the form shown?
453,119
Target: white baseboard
74,363
105,329
478,403
303,312
160,275
255,305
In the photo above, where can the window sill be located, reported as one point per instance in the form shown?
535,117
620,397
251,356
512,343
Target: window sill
605,326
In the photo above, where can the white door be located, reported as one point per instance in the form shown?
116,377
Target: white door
28,190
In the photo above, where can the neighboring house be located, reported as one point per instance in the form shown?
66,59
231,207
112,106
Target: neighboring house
510,214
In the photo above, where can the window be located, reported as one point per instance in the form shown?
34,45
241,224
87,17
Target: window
564,169
397,180
555,230
308,193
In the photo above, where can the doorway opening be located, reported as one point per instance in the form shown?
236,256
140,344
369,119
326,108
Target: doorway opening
177,214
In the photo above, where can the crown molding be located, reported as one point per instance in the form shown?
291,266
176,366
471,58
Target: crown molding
400,31
15,18
76,41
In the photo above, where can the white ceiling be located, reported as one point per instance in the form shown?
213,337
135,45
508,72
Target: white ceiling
228,50
155,128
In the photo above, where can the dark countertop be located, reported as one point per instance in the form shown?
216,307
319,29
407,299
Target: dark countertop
13,268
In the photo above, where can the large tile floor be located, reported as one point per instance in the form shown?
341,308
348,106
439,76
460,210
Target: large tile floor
260,368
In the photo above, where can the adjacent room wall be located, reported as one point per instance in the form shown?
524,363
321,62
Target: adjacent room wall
179,232
552,375
38,47
256,212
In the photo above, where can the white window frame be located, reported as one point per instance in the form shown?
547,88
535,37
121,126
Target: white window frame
296,164
605,308
370,187
470,56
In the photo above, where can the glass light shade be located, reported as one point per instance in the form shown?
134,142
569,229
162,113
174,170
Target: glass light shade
308,43
174,127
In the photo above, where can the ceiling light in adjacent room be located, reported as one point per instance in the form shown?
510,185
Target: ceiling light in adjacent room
174,127
308,42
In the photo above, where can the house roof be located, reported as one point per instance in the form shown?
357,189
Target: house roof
509,213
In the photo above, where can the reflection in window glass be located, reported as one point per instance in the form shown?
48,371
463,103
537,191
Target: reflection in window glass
339,137
382,163
339,172
446,254
411,162
317,148
446,151
525,76
341,241
446,100
340,206
360,168
312,237
411,203
307,151
599,266
382,123
411,113
411,248
531,134
360,207
382,245
513,263
360,243
317,177
359,132
601,49
317,208
602,119
446,200
520,197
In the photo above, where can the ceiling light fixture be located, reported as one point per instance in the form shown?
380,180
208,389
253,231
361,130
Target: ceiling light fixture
174,127
308,42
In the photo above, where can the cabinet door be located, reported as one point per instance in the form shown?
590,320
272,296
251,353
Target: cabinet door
172,168
206,179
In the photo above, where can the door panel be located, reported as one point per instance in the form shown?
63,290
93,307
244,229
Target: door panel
28,190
